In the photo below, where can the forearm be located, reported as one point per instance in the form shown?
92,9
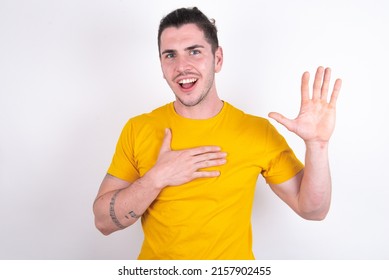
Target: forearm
119,204
315,190
120,208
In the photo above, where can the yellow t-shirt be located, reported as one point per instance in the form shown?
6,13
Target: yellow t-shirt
208,218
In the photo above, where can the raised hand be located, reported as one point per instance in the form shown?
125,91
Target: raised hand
175,168
316,119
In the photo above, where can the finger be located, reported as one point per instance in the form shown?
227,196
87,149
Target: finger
305,87
326,82
335,92
288,123
209,156
166,143
210,163
206,174
203,150
317,83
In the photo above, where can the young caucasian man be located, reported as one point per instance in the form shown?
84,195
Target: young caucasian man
189,168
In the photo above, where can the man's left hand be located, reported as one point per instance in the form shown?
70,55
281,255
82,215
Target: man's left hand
316,119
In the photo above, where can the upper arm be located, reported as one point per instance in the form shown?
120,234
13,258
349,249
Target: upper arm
111,183
289,190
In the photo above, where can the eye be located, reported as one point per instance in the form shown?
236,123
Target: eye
169,55
194,52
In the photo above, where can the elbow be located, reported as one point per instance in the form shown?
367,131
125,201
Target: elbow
321,216
318,215
314,209
102,227
317,218
101,224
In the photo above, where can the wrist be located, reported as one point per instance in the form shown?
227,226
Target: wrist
316,145
153,180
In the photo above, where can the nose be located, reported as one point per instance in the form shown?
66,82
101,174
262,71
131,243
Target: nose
182,64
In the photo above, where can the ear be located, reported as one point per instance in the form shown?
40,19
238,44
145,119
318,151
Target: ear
218,59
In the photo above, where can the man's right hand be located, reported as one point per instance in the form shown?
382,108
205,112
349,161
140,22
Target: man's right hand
175,168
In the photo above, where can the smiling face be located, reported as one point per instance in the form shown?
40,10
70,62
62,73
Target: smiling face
189,65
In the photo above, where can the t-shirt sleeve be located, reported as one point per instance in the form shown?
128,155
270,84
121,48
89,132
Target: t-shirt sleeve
282,163
123,165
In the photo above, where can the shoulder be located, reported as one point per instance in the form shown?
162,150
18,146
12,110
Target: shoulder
160,112
155,117
247,120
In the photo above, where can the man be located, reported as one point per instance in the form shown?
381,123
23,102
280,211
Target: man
189,168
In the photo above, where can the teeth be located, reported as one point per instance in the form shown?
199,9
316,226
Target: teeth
187,81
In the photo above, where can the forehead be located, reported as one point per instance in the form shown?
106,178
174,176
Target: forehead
185,35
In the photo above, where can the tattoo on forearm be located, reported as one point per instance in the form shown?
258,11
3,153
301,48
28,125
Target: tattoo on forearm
112,211
133,215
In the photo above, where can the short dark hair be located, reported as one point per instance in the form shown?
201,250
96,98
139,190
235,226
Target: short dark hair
182,16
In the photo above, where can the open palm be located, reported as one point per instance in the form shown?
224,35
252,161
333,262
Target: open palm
316,119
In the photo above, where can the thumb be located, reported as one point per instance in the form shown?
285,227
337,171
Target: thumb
282,120
165,147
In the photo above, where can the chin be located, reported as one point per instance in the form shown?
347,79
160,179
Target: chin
190,102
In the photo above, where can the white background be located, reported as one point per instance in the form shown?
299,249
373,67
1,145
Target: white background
72,73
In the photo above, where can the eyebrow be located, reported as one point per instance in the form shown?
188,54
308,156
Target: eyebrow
197,46
194,47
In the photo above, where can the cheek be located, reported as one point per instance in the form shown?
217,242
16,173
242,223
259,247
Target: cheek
168,76
165,72
208,68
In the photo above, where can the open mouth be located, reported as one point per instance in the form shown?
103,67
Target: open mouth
187,83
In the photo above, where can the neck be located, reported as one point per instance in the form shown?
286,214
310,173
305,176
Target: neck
204,110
